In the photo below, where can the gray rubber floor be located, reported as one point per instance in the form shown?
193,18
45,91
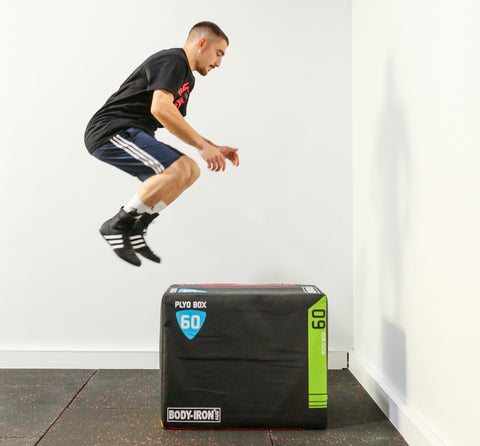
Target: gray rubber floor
122,407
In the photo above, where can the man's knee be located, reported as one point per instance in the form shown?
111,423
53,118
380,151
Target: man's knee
179,170
185,170
194,171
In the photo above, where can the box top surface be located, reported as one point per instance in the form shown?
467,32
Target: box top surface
251,289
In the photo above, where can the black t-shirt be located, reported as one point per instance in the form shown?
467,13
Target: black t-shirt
130,105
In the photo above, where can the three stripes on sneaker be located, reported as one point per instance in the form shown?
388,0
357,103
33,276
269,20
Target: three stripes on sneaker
125,232
116,241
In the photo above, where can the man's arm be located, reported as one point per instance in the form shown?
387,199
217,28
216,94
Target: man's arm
165,112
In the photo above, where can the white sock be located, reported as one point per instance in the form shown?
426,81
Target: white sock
160,206
137,205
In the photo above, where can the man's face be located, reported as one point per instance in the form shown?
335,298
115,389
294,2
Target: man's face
210,55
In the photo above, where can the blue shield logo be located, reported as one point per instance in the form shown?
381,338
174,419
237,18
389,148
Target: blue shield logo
190,322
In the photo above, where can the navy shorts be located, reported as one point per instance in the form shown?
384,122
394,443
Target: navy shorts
137,153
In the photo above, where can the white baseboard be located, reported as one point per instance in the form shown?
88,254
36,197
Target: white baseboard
407,422
81,359
78,359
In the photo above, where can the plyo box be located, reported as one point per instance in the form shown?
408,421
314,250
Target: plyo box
244,356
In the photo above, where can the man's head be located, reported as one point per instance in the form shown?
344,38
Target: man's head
205,46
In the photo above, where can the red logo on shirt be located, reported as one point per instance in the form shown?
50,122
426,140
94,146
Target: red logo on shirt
183,92
185,88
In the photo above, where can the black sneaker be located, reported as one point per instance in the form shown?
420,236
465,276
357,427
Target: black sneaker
115,232
137,233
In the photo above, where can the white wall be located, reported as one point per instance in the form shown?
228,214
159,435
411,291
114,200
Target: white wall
416,159
282,95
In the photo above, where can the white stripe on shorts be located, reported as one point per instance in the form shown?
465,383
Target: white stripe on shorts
138,153
143,156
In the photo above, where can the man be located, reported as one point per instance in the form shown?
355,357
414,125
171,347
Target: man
121,133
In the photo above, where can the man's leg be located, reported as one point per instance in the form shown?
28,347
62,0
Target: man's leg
161,188
170,184
165,173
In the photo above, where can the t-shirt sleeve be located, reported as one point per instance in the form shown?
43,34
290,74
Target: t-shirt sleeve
166,73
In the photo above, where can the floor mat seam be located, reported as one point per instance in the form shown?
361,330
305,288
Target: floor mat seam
65,408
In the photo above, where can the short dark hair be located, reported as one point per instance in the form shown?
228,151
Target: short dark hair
211,28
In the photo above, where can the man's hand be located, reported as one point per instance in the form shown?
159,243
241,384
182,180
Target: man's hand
231,154
213,156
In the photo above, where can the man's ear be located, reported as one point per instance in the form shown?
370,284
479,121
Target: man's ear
201,42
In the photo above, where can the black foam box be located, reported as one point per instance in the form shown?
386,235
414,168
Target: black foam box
247,356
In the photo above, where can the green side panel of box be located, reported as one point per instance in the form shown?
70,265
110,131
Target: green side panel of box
317,354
